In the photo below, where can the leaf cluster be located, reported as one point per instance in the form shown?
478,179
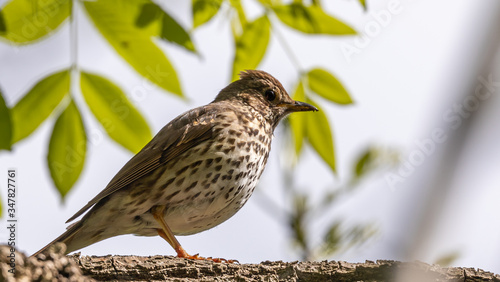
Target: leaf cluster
339,235
132,28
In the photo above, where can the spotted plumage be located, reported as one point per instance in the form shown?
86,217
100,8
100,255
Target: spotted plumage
196,173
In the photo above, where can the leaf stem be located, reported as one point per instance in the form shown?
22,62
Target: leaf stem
286,47
73,44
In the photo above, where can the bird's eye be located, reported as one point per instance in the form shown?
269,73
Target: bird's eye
270,95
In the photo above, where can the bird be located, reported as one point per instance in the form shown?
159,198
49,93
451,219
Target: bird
196,172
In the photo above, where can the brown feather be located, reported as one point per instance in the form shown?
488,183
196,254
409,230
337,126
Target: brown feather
171,141
63,238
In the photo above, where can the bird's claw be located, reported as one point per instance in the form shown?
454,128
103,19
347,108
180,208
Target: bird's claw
218,260
221,260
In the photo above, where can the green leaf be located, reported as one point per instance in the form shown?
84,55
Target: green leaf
327,86
266,2
236,4
67,149
150,12
298,220
170,29
364,163
174,32
118,116
319,135
251,46
204,11
27,20
339,239
332,239
5,126
311,19
313,2
236,27
38,104
116,20
2,23
363,3
298,121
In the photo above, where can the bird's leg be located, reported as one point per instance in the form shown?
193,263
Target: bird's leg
181,253
166,233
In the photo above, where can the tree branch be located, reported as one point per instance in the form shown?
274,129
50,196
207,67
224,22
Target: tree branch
55,266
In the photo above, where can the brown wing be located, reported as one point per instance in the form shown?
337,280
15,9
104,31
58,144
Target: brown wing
181,134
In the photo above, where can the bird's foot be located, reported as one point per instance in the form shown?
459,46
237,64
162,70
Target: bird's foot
219,260
183,254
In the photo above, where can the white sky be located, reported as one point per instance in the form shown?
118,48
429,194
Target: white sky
410,73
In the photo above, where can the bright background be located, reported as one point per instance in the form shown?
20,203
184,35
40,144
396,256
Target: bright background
424,60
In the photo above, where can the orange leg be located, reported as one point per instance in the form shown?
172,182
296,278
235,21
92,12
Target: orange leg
166,233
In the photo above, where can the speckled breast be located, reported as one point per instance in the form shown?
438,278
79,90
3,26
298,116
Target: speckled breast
213,180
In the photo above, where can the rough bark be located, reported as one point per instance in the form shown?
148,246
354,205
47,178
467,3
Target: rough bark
57,267
175,269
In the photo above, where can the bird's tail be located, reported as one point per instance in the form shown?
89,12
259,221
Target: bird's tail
66,238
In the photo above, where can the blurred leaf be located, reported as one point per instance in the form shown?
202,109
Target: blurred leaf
311,19
266,2
448,259
29,20
204,11
236,4
338,239
118,116
116,20
67,149
359,234
314,2
174,32
170,29
298,121
363,3
297,217
328,198
332,239
238,19
149,13
236,27
5,126
2,25
327,86
319,135
364,163
251,46
38,104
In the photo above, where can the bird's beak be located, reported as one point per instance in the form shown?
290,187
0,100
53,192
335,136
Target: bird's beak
297,106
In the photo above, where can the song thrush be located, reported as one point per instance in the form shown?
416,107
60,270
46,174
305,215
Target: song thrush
196,173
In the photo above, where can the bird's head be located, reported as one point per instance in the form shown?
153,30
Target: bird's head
265,94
